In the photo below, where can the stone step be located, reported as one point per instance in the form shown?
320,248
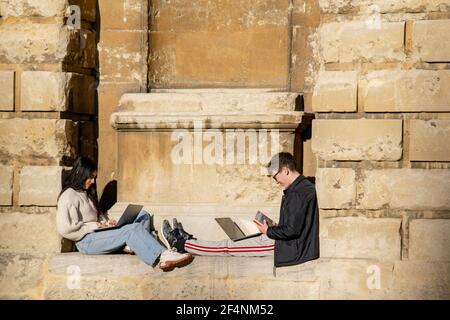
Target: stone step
213,100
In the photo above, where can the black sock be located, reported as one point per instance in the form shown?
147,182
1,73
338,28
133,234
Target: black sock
179,245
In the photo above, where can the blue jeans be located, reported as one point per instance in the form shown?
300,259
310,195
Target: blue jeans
135,235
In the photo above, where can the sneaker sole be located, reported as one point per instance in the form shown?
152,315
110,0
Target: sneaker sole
170,265
166,242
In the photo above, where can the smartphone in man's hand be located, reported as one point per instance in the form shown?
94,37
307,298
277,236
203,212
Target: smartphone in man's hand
260,217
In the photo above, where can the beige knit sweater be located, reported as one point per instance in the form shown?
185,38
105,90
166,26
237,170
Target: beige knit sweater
75,215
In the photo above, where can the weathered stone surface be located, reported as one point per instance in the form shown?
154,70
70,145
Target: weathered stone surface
43,8
381,6
37,139
236,59
124,15
429,140
122,56
6,90
406,91
431,39
40,185
252,288
21,276
362,41
46,8
29,233
221,183
336,187
33,43
235,278
354,279
429,239
237,43
360,238
219,100
416,189
57,91
45,91
6,184
421,280
46,43
223,16
98,265
359,139
335,91
82,49
93,288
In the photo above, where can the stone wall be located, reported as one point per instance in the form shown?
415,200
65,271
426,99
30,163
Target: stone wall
375,74
123,50
381,134
47,117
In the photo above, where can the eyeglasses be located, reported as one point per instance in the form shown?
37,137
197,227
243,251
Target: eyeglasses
274,177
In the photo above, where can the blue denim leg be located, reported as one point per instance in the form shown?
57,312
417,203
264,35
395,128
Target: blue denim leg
144,218
135,235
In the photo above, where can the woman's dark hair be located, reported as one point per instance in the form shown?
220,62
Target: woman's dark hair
82,169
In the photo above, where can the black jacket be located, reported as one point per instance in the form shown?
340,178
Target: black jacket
297,234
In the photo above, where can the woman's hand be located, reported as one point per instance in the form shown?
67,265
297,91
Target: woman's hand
101,225
261,227
112,222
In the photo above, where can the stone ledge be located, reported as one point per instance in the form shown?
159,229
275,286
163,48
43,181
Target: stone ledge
207,109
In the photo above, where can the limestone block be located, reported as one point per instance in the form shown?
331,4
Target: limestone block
94,288
335,91
406,91
242,43
415,189
251,288
38,138
431,40
360,238
236,59
214,100
374,7
29,233
421,280
336,188
40,185
359,139
123,15
33,43
6,185
429,239
98,265
21,276
354,278
198,167
223,16
82,48
122,56
362,41
45,91
6,90
46,8
42,8
429,140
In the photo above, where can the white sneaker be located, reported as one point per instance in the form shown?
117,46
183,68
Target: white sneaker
170,259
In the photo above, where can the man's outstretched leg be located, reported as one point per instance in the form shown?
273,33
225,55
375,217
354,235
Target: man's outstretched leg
253,247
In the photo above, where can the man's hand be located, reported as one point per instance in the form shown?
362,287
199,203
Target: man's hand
261,227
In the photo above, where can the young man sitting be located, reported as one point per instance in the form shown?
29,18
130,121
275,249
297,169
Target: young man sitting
294,240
